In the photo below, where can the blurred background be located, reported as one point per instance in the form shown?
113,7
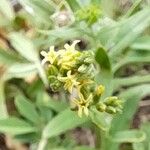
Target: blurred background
29,108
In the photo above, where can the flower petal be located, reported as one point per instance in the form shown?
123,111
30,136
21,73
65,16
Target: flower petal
44,61
86,111
75,42
43,53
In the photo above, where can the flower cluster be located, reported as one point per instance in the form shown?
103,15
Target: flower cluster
74,71
90,14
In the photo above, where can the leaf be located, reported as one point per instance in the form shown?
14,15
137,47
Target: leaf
63,33
15,126
39,10
131,96
129,136
100,119
105,74
27,138
27,109
49,102
130,30
64,121
128,81
142,43
24,46
6,9
8,58
73,4
138,146
131,60
145,127
133,8
21,70
120,122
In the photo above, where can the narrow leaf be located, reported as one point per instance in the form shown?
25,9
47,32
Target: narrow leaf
26,109
64,121
24,46
129,136
15,126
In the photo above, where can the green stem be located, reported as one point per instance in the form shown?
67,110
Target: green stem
42,144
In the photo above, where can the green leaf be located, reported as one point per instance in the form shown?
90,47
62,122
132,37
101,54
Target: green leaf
129,136
63,33
24,46
131,96
49,102
130,30
73,4
64,121
21,70
100,119
27,109
131,60
142,43
39,10
146,128
105,74
6,9
133,8
8,58
27,138
138,146
120,122
128,81
15,126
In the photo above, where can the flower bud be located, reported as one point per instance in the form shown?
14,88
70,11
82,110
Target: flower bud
82,68
113,101
55,84
52,70
101,107
100,90
111,110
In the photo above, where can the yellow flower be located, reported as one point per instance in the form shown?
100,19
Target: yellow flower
83,104
50,56
70,81
72,46
68,56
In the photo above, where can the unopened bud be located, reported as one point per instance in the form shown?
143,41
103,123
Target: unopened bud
82,68
100,90
111,110
112,101
101,107
52,70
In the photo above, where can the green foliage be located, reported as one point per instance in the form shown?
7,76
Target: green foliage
15,126
26,109
57,125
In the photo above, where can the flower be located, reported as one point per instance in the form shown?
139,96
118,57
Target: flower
69,56
83,104
72,46
70,81
50,56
